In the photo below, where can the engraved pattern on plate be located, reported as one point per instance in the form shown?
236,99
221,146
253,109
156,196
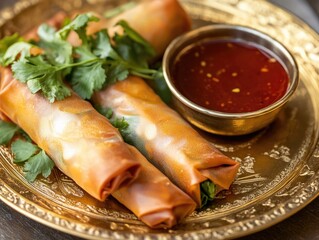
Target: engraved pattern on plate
279,167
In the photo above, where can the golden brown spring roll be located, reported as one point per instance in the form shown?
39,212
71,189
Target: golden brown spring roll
166,139
4,117
161,15
81,142
153,198
156,130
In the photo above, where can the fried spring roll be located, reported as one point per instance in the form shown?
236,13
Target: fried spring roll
166,139
153,198
81,142
157,131
4,117
161,15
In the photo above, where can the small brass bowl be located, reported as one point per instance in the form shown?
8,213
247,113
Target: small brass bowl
222,123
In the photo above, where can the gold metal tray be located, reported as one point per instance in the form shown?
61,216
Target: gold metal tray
279,165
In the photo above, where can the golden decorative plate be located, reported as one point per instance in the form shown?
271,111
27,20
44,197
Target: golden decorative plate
279,165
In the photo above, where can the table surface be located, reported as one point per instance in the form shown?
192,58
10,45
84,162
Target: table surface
302,225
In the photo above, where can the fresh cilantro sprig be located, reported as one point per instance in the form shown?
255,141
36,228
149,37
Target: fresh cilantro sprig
46,72
98,62
40,75
19,48
110,60
34,160
5,43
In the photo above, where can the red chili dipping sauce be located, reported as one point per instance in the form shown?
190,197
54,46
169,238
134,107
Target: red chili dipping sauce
229,76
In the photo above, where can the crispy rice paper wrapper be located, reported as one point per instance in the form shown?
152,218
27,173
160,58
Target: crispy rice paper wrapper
81,142
161,15
156,130
4,117
167,140
153,198
167,18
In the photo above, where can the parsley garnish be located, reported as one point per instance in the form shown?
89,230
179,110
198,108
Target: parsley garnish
98,62
34,160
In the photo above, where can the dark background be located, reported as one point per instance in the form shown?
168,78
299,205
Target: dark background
302,225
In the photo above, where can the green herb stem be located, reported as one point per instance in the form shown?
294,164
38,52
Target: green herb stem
139,74
71,65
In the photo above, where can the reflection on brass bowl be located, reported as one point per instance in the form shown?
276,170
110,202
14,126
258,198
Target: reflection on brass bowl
229,123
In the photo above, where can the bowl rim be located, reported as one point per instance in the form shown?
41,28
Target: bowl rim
170,51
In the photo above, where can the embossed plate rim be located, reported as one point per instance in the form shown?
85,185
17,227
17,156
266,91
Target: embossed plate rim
287,208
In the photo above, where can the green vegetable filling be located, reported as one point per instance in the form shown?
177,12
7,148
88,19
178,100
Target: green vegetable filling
120,123
208,192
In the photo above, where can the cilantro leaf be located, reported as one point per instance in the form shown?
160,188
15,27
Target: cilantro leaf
14,50
117,71
57,51
88,77
53,88
85,54
133,47
47,33
79,25
38,164
136,37
115,67
23,150
5,43
34,159
41,75
102,46
32,68
8,130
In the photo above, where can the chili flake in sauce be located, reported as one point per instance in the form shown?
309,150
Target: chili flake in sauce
229,76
